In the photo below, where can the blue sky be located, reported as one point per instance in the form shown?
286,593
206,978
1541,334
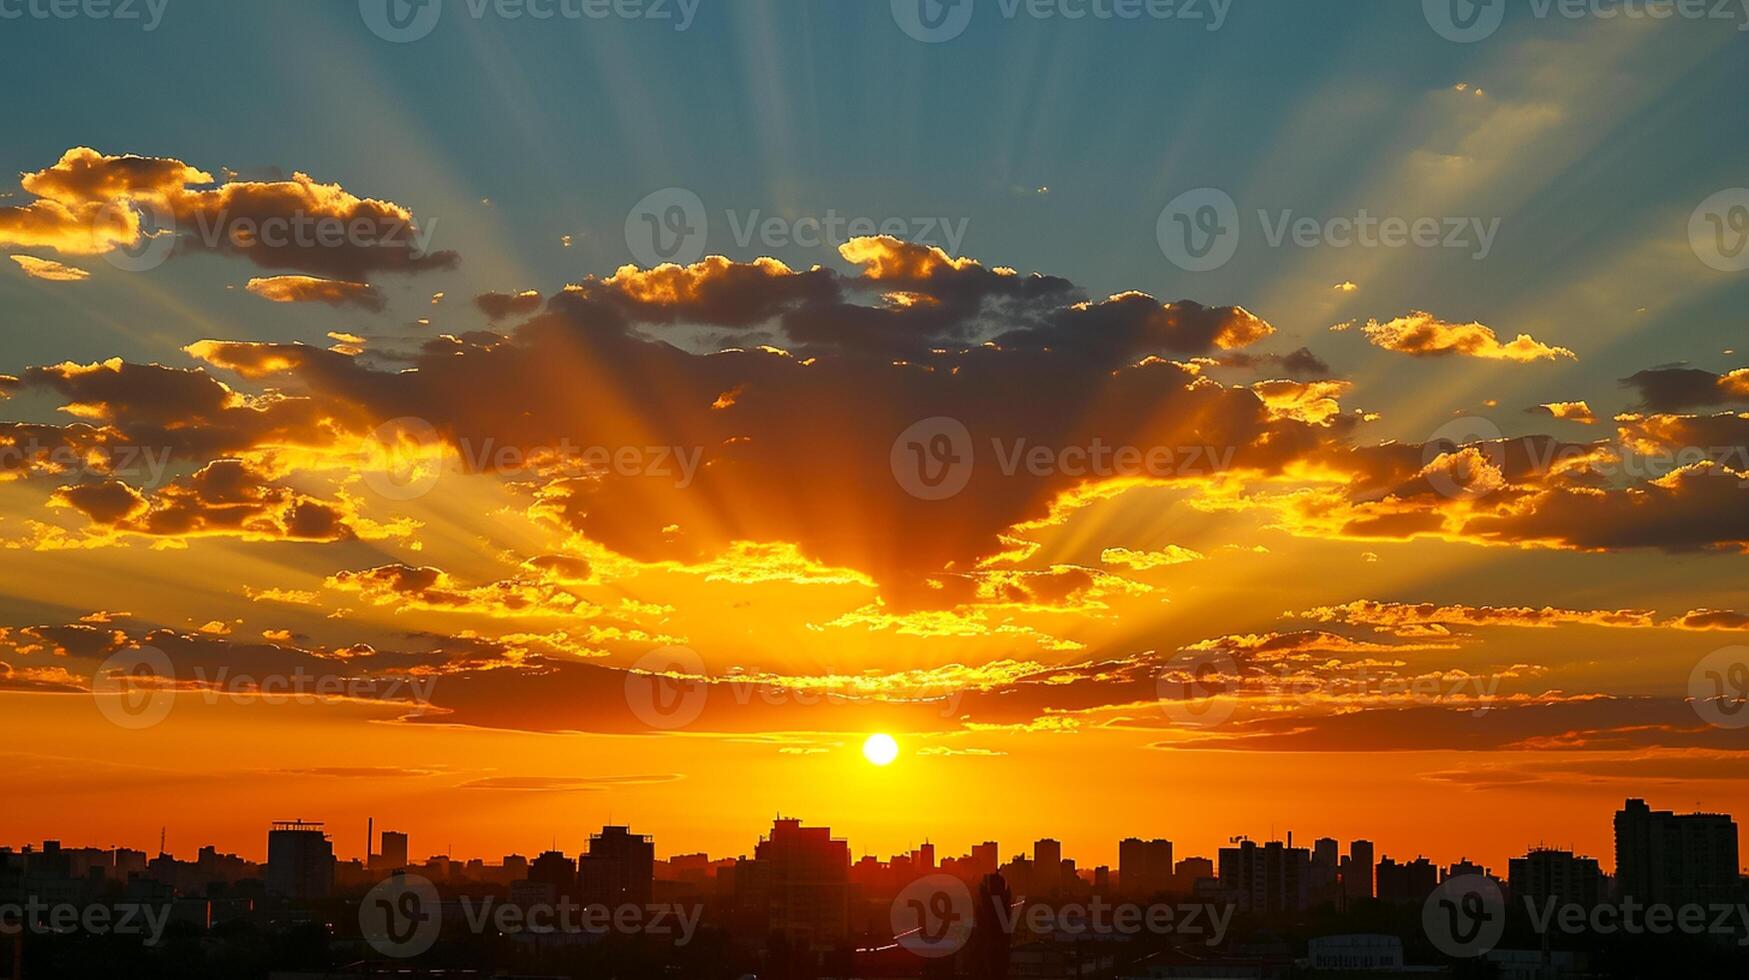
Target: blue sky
800,108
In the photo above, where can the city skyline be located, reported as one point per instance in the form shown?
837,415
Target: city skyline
1605,857
942,420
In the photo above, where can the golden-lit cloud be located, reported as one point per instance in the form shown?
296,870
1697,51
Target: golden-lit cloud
310,289
1568,411
1423,334
49,270
89,203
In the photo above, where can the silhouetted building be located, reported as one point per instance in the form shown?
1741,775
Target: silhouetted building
987,949
986,857
620,869
300,861
1144,867
1546,874
556,869
392,855
1273,878
797,886
1356,870
1406,883
1663,857
1326,870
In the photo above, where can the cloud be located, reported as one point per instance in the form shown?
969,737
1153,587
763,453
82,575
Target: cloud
1568,411
1713,619
309,289
1425,335
498,306
49,270
89,203
1676,389
225,497
1143,560
1414,618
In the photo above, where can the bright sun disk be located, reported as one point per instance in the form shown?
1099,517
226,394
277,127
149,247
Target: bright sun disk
880,749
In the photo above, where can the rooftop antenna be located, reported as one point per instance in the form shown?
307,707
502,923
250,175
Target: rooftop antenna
161,832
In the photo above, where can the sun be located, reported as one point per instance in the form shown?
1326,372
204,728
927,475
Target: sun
880,749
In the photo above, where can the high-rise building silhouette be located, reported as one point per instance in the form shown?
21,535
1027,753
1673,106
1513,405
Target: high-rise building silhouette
300,860
986,857
392,856
1273,878
1547,874
619,869
1406,883
1144,867
1356,870
797,886
555,870
1674,859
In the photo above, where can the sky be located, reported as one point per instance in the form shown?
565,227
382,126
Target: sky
1190,420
